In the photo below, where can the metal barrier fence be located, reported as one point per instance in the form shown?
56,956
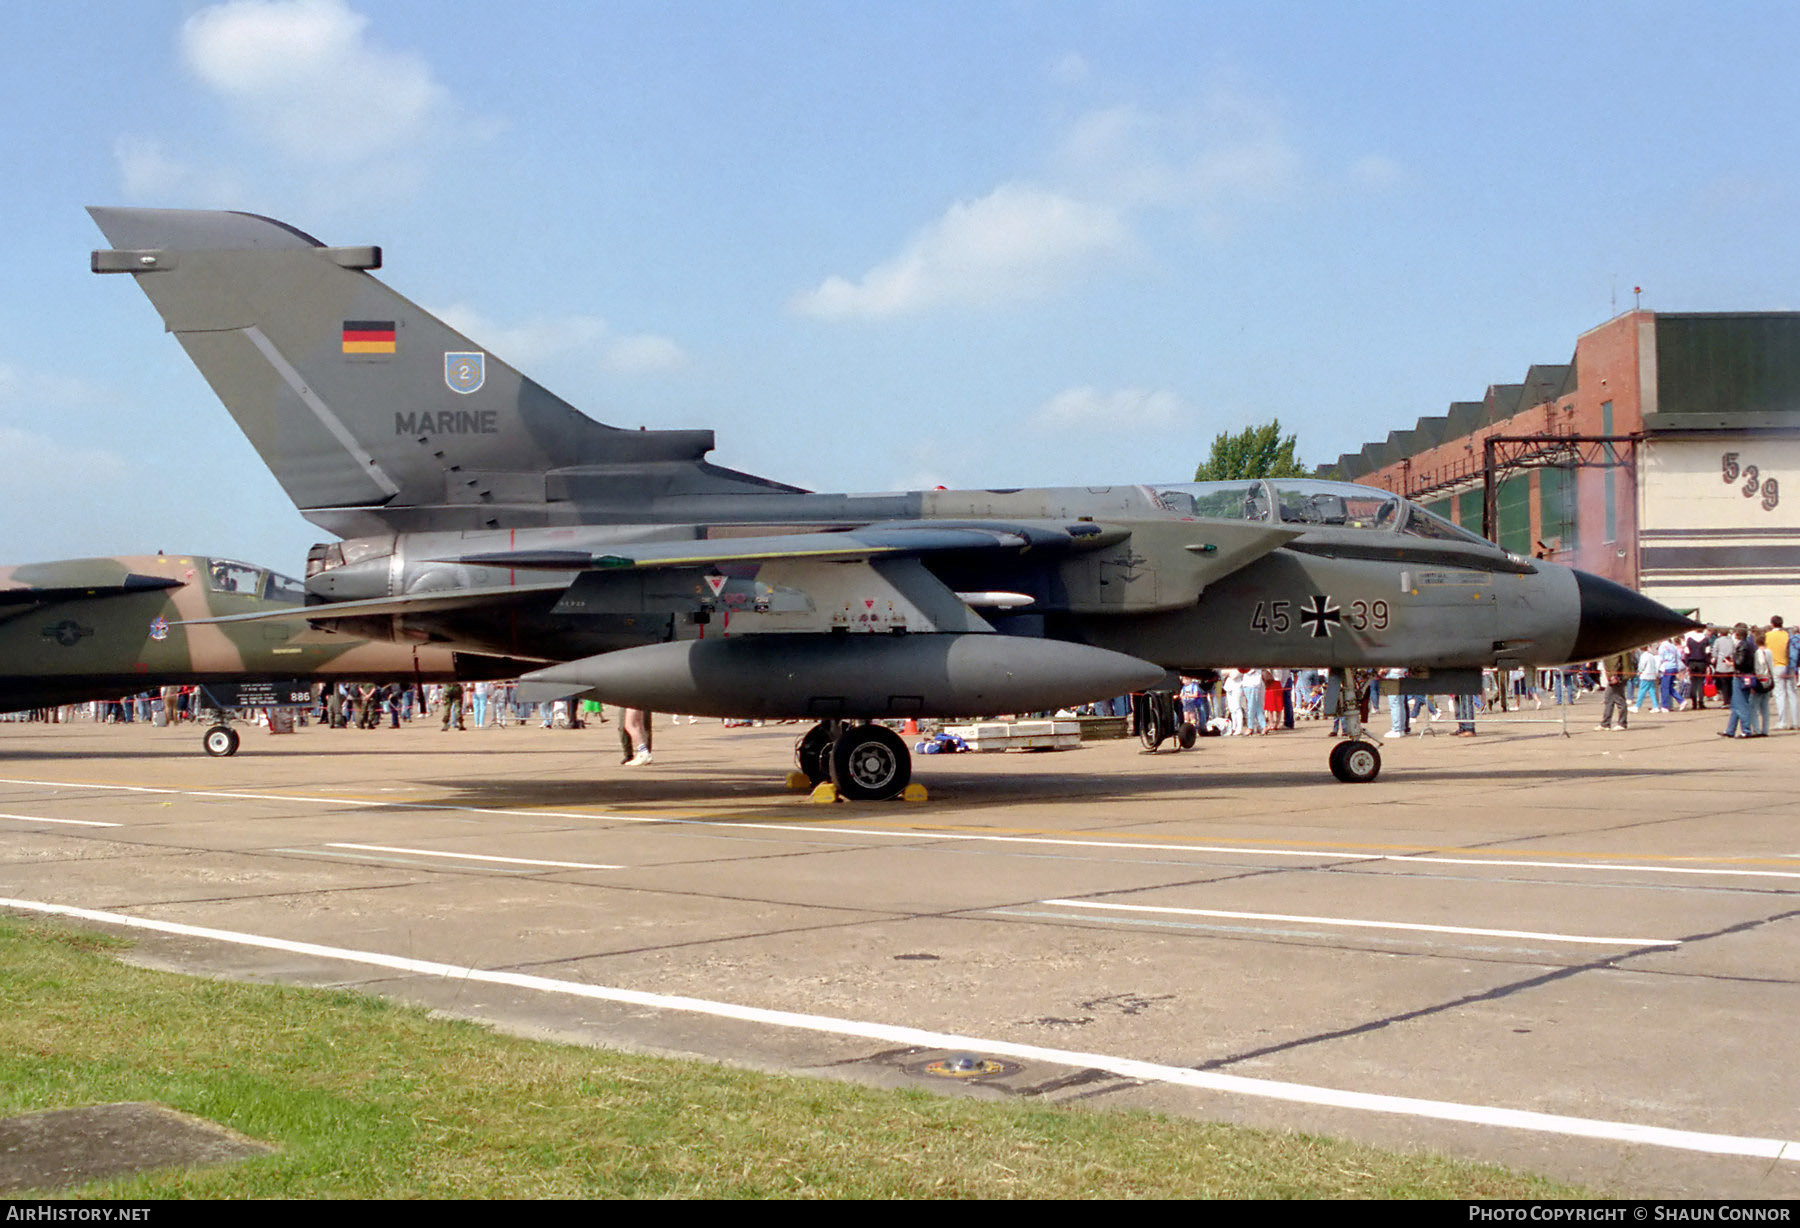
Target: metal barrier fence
1498,705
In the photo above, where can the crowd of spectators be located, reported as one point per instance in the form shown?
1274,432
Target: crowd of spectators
1749,672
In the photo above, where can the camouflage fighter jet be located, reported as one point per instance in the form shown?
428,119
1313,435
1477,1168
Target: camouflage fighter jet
482,511
102,628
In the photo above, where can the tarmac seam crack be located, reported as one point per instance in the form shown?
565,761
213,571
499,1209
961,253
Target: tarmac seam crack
715,940
1494,994
1609,829
1609,964
974,914
1096,1093
1233,874
1376,869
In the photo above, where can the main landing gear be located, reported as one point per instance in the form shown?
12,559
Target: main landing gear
867,763
1159,719
1358,760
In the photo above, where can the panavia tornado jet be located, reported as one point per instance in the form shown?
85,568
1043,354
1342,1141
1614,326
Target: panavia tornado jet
479,510
101,628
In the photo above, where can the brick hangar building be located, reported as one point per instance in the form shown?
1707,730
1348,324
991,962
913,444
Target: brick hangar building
1665,455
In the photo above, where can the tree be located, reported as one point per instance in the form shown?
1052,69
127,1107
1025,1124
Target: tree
1254,452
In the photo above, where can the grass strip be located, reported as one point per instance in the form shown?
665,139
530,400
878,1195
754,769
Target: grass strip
367,1099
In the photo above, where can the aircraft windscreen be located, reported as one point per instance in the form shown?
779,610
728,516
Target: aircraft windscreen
284,588
226,576
1342,505
1421,523
1215,500
1338,504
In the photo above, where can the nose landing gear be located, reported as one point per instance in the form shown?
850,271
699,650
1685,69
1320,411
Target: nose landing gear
1355,762
1358,760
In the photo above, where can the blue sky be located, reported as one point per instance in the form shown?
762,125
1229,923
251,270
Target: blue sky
879,246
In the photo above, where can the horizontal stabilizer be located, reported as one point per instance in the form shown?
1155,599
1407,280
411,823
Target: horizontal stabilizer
1232,545
40,594
412,603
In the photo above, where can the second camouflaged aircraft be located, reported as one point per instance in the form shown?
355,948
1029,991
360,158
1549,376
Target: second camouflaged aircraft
102,628
483,511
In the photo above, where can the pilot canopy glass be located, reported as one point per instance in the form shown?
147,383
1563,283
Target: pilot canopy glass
1341,505
230,576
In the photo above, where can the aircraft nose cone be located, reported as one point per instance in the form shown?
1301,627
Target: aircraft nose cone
1614,618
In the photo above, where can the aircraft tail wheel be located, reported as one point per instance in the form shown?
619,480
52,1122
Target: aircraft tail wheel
812,754
1187,735
1355,763
869,763
220,740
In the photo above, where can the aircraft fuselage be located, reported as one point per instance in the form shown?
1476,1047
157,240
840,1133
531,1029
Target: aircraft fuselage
1363,579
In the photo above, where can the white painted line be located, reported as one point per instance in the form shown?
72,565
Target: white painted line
1371,925
1590,865
1131,1068
1326,854
35,818
511,861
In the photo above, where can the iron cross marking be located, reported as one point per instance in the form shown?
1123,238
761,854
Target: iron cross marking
1321,615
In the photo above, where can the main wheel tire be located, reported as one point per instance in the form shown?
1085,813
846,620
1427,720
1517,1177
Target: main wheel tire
1187,735
812,753
1356,763
219,741
869,763
1150,730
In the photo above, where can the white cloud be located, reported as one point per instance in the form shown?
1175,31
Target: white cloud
320,100
38,464
1213,158
922,479
643,353
1018,241
148,173
28,391
1123,410
1376,171
305,76
1216,161
538,340
48,504
1070,69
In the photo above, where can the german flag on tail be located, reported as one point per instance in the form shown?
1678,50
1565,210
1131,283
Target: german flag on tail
368,336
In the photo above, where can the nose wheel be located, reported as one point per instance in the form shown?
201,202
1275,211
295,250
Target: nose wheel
220,740
1355,762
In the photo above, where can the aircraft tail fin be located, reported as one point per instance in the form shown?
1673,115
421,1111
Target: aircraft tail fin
375,415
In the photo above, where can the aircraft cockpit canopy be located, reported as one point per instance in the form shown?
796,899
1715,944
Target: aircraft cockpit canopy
229,576
1421,523
1295,501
